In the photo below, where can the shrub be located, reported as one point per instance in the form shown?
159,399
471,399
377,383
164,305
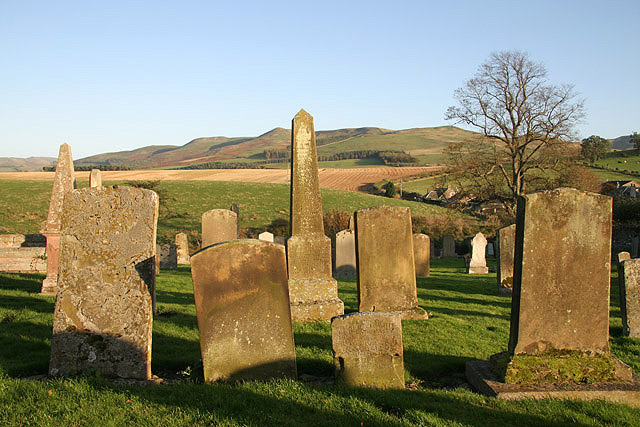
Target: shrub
335,221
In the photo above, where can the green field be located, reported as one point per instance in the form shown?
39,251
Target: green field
469,322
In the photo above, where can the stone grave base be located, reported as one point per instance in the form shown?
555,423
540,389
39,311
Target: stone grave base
416,313
478,270
484,381
316,310
49,286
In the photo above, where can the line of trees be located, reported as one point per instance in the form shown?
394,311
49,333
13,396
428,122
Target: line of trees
80,168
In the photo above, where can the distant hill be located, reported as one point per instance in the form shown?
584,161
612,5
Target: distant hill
30,164
621,143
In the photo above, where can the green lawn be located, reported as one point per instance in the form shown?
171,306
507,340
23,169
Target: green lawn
469,322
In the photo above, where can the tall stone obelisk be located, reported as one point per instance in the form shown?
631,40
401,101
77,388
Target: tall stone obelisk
313,292
63,182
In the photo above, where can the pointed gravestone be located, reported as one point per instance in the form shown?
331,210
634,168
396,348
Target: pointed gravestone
182,248
95,178
242,305
629,282
104,307
478,262
63,182
386,269
448,246
346,255
236,210
265,236
218,225
506,240
422,254
312,290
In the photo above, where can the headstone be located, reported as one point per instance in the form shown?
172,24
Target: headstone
279,240
490,249
629,282
167,256
346,255
448,246
622,257
236,210
506,240
242,305
265,236
218,225
432,249
478,263
63,182
313,292
367,350
104,308
561,272
182,248
635,242
95,178
422,254
386,269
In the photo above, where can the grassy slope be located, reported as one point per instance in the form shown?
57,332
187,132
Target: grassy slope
469,322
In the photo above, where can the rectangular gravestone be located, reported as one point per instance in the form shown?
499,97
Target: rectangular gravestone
386,269
422,254
478,262
167,256
448,246
561,272
242,305
630,297
104,308
182,248
95,178
490,249
346,255
506,240
367,350
218,225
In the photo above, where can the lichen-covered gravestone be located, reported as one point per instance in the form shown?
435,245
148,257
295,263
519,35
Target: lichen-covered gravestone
367,350
266,236
218,225
346,255
95,178
629,282
386,269
312,290
506,240
448,246
478,262
63,182
182,248
422,254
242,304
103,313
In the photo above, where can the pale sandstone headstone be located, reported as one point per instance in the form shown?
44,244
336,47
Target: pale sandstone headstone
367,350
182,248
422,254
63,182
104,307
167,256
561,272
313,292
448,246
346,255
506,240
386,268
629,282
218,225
265,236
95,178
478,262
236,210
242,305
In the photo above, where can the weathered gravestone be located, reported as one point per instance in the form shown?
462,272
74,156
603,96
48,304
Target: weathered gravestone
422,254
104,307
182,248
95,178
242,305
265,236
490,249
236,210
312,290
629,282
506,240
279,240
167,256
346,255
635,243
386,269
218,225
448,246
622,256
478,262
367,350
63,182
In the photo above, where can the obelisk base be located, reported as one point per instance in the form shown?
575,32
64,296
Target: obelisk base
314,299
478,270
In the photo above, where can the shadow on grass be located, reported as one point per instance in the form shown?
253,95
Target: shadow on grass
31,283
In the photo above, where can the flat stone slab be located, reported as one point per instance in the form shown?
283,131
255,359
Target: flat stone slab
484,381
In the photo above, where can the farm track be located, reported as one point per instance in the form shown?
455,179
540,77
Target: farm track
340,179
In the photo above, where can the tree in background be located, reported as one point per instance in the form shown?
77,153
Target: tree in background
524,122
594,147
634,139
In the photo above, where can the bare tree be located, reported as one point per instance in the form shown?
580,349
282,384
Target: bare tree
524,120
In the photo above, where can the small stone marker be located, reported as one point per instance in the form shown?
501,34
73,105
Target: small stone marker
95,178
422,254
386,269
629,282
506,240
265,236
104,308
346,255
182,248
367,350
557,301
63,182
478,263
236,210
167,256
242,305
313,291
218,225
448,246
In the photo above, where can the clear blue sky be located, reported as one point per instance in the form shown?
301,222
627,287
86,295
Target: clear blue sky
114,75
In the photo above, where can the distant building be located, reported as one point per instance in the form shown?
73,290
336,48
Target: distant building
622,188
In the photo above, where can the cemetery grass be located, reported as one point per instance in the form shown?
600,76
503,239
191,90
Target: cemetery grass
469,321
